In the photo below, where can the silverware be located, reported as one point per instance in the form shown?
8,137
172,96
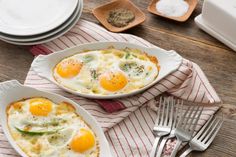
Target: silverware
186,126
178,111
205,136
163,122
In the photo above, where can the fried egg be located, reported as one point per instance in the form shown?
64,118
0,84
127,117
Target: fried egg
106,72
42,128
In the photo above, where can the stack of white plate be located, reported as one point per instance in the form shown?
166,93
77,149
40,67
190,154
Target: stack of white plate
30,22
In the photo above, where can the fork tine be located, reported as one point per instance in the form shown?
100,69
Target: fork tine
177,116
167,111
180,122
163,111
159,111
179,112
192,117
214,134
171,112
188,116
197,119
207,130
210,133
175,112
203,128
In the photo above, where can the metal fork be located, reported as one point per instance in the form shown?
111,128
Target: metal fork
205,136
186,126
163,122
177,115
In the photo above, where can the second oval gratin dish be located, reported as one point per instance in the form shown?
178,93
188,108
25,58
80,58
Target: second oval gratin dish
13,105
168,61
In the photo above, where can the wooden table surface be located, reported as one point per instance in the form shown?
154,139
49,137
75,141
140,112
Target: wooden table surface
216,60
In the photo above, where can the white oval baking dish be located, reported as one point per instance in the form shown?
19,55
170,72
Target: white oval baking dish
43,65
11,91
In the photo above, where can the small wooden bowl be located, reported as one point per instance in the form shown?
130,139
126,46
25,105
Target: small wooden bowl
102,12
192,6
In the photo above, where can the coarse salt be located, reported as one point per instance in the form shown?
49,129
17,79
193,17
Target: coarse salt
174,8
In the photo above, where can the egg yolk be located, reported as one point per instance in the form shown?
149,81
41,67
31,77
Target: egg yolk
113,81
83,141
40,107
69,68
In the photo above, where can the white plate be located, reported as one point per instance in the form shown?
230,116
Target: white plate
43,65
46,34
202,24
31,17
53,36
11,91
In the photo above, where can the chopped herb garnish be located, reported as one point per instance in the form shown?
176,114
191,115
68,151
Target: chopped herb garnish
140,69
127,55
134,67
87,58
94,74
128,66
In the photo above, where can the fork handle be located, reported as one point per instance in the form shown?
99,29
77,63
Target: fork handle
154,147
176,148
162,145
186,152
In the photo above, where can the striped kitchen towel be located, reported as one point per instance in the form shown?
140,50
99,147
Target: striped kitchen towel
127,122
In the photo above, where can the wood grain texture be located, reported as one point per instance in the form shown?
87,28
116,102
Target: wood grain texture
216,60
14,62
